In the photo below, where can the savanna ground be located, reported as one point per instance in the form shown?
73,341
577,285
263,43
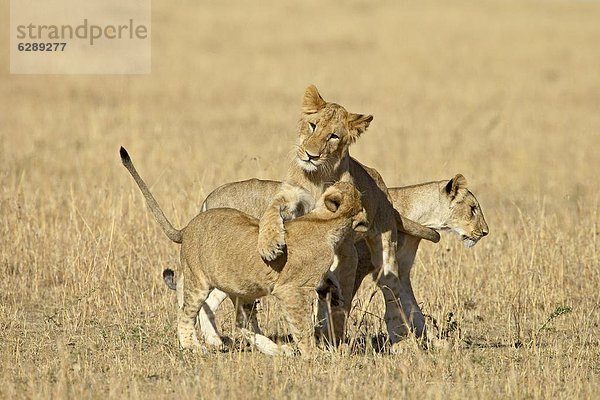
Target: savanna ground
507,93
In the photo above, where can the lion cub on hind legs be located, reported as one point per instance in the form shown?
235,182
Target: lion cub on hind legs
218,251
326,132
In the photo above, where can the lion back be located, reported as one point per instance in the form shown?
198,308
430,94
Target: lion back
252,196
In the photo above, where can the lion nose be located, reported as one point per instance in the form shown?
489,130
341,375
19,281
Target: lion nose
484,232
311,157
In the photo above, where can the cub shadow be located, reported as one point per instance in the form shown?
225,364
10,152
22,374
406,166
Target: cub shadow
278,263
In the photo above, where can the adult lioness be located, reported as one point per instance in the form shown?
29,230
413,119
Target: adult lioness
326,132
218,251
445,205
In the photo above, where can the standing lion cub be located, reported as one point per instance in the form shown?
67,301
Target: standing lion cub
218,250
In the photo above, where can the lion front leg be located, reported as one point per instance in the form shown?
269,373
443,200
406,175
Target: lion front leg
289,203
402,313
206,318
383,258
405,258
271,234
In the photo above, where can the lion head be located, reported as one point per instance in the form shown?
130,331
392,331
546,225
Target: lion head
326,131
342,198
465,217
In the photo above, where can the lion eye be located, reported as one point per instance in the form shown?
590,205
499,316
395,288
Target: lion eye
333,136
473,210
312,127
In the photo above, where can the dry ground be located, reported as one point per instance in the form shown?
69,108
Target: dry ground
507,93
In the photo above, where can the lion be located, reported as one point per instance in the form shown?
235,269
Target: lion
218,250
445,205
326,131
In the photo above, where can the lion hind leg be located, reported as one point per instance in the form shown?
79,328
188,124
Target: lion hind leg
193,299
298,304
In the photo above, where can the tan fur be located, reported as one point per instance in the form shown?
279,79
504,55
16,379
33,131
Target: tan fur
326,132
441,205
218,251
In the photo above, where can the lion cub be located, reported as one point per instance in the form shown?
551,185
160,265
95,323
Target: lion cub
218,250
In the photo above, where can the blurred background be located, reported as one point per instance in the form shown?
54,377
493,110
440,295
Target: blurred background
505,92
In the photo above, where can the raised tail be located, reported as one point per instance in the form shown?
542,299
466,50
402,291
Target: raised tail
412,228
172,233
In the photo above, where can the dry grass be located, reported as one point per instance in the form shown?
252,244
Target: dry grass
505,92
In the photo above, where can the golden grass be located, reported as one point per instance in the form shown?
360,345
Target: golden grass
505,92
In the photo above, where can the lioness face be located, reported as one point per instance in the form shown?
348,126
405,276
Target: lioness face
466,218
326,132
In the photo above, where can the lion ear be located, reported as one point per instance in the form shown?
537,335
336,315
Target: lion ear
312,100
333,201
456,187
357,124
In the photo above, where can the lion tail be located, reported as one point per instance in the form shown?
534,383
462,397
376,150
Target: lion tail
169,278
412,228
172,233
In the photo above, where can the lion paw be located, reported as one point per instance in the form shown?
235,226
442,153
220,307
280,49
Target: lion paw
271,244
